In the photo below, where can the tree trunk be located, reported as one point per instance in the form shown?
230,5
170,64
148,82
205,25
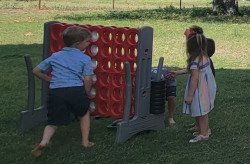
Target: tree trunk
39,4
226,7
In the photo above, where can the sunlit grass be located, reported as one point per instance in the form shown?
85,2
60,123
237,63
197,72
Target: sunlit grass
98,5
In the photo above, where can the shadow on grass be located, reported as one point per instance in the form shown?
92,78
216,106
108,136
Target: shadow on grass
167,13
12,51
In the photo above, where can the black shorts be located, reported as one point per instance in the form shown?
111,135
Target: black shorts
170,91
63,101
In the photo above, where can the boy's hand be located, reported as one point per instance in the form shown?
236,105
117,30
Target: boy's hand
47,78
172,75
39,73
90,96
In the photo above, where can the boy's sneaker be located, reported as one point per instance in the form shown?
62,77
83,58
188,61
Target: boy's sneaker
199,138
37,151
197,133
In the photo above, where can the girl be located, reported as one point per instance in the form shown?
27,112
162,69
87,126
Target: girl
201,87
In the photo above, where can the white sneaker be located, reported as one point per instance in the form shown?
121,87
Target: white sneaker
199,138
197,133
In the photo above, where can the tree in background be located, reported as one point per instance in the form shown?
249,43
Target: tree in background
39,4
226,7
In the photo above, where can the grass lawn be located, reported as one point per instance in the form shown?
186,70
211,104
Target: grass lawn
22,33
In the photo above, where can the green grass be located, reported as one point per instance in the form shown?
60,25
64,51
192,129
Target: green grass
22,33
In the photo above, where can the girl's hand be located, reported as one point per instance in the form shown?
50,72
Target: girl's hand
188,100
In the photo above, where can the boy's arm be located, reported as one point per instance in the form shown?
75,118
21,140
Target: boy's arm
173,74
88,84
180,72
38,72
193,85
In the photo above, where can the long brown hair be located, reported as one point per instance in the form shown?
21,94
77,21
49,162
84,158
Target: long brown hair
196,47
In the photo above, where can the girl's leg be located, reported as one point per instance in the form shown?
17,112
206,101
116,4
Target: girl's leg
203,125
85,127
208,128
197,125
203,133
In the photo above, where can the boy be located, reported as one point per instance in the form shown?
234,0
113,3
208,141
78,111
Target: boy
70,85
170,93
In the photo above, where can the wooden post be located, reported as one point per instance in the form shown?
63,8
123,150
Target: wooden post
180,4
39,4
113,4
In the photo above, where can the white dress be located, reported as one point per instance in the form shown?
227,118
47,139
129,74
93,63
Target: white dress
204,95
